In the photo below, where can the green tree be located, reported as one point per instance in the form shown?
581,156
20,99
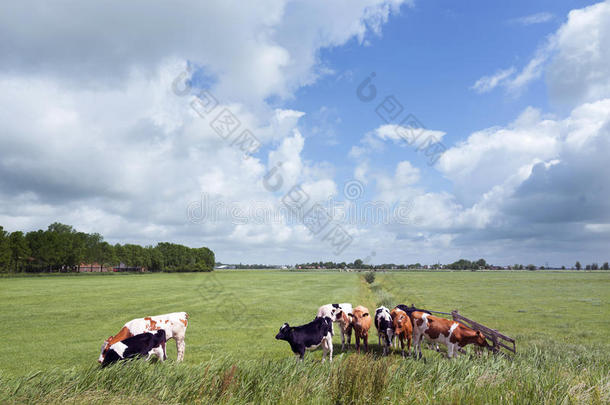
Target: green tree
5,251
20,251
358,264
605,266
481,263
578,266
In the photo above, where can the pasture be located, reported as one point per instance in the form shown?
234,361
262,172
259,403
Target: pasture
53,328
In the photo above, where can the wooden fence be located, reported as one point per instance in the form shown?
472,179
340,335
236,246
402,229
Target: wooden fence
499,340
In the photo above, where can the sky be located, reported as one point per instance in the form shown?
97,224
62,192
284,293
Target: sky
289,131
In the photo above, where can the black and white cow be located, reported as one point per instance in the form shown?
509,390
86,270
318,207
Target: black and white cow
310,336
385,328
144,344
339,313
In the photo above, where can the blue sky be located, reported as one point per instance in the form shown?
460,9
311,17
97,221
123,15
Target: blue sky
518,93
429,56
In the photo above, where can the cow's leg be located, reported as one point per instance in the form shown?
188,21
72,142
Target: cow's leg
180,345
408,345
342,339
418,342
358,343
415,337
160,353
450,350
366,343
349,336
327,346
402,346
302,353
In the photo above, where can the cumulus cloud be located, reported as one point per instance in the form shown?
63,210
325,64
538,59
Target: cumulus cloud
580,70
574,60
373,141
93,135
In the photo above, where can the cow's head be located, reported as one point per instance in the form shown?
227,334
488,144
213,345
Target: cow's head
480,340
104,349
284,333
360,319
341,316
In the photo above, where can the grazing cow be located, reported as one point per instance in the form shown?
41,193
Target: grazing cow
338,313
361,322
385,329
173,324
310,336
144,344
403,329
409,311
448,332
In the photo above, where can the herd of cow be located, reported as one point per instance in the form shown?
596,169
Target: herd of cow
147,336
402,324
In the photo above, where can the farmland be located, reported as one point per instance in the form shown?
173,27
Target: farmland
561,321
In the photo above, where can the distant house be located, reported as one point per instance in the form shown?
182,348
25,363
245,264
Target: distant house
124,267
92,268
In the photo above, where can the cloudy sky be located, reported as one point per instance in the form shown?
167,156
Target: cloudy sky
289,131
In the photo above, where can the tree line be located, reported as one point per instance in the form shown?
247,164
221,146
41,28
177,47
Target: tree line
61,248
461,264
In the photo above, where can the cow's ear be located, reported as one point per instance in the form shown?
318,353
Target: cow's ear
350,314
365,314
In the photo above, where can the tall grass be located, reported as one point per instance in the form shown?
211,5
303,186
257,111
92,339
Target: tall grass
540,375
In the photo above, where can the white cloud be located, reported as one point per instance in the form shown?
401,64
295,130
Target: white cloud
580,70
116,152
373,141
531,19
575,60
488,83
399,186
490,156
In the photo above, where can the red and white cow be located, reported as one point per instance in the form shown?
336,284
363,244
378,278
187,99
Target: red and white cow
361,322
403,329
339,313
448,332
173,324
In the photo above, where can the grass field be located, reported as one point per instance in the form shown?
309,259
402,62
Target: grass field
54,327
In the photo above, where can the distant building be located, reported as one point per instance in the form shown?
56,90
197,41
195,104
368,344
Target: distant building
92,268
225,266
124,267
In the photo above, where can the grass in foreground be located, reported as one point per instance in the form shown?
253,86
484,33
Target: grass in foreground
540,375
559,320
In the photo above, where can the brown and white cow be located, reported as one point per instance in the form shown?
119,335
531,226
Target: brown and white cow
448,332
361,322
338,313
173,324
403,329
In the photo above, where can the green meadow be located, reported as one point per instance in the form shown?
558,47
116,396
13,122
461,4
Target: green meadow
54,326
